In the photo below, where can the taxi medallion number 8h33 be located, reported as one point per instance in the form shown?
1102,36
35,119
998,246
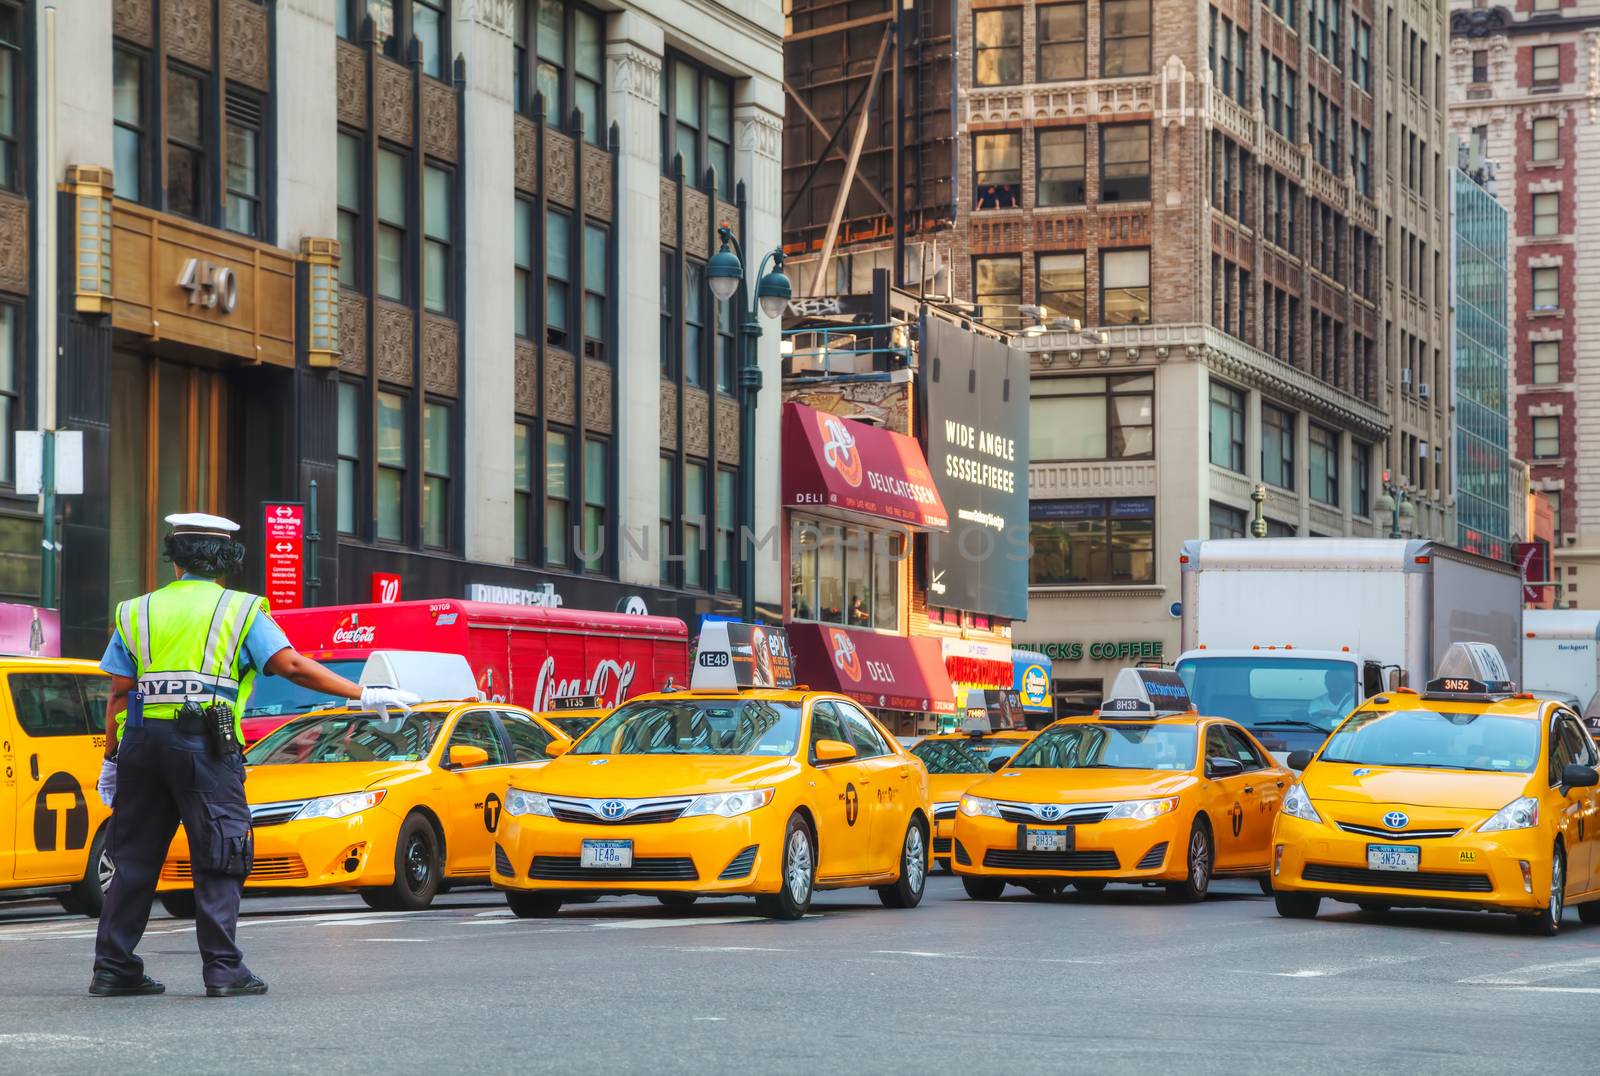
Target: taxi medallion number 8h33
742,785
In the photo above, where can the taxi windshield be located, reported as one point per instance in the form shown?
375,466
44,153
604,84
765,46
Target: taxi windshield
1110,747
1436,739
696,727
971,754
350,738
273,695
573,726
1272,692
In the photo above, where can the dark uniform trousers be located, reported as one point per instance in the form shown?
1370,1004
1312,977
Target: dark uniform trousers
165,776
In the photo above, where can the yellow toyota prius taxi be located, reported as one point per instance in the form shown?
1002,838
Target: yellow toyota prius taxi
742,785
955,761
395,806
1146,791
1466,796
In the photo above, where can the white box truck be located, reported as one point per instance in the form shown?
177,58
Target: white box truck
1561,654
1287,635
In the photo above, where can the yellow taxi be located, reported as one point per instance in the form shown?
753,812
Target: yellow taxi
954,760
393,805
1145,791
742,785
1466,796
52,741
575,715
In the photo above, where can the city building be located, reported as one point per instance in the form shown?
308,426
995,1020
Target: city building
394,247
1524,98
1478,292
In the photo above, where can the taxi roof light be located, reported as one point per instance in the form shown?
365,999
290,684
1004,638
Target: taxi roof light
1471,671
1143,692
436,677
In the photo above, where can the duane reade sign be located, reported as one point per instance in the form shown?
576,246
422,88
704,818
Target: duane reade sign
975,406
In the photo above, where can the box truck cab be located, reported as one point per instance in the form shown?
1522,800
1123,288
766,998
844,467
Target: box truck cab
524,655
1561,653
1287,635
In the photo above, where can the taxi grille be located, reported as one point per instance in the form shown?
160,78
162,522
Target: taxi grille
588,812
962,856
944,810
941,846
267,868
1361,876
1153,858
1398,834
1011,859
741,866
568,869
274,814
1081,815
502,862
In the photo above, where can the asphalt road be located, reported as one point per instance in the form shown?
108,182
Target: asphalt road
1124,982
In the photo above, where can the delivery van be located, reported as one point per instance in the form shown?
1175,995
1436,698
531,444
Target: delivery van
52,823
524,655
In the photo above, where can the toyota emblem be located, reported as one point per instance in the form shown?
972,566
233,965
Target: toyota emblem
1396,820
613,809
1049,811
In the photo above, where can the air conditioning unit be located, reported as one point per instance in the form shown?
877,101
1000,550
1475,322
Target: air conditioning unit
1405,377
1424,391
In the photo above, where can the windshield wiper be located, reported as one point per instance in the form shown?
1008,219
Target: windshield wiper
1289,723
1419,765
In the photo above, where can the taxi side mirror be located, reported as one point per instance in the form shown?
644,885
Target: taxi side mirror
1223,767
1577,775
464,757
1000,763
557,748
833,751
1299,760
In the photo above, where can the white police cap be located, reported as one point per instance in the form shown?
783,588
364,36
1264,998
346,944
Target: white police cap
202,523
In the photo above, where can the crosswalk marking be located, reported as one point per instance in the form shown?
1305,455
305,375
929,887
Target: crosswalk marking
1534,973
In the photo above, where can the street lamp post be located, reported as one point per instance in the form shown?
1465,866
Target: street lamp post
1396,501
725,276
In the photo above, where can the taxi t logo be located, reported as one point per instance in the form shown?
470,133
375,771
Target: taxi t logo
1238,818
55,817
491,812
852,804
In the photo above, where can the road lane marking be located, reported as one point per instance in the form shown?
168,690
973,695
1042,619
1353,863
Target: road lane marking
920,952
1365,964
724,949
1534,973
409,940
1554,989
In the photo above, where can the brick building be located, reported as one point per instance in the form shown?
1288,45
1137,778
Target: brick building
1526,103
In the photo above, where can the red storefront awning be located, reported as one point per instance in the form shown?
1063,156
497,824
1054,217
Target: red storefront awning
833,462
890,672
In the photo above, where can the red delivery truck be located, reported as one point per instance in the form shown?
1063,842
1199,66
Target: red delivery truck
522,654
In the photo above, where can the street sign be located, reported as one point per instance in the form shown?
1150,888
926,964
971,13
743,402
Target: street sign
30,462
283,543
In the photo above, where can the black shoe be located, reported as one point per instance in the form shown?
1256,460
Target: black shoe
253,985
106,985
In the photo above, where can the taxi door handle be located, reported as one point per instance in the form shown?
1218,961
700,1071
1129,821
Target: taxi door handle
33,766
1280,784
1248,789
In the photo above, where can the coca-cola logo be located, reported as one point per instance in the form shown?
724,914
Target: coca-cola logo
610,680
351,632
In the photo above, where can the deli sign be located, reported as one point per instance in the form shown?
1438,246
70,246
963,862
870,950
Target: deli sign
283,546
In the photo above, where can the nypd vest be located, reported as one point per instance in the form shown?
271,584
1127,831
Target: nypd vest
187,640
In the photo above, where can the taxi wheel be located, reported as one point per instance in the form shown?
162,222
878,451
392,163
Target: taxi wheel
798,877
416,870
533,905
1297,905
907,892
983,888
1089,886
88,895
1266,885
1201,859
179,903
1373,907
1046,890
677,900
1589,913
1548,922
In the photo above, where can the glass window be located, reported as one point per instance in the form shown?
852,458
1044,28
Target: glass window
1124,38
1361,468
694,322
694,524
1546,132
383,24
719,133
522,224
558,276
1110,747
10,352
428,24
1546,65
804,553
1125,287
1323,448
997,289
1546,214
683,726
669,315
1092,418
52,704
128,117
186,154
1546,288
588,69
1480,65
997,175
351,186
596,269
727,529
528,739
1060,165
667,520
596,482
477,729
1227,427
868,741
436,230
436,474
391,466
1062,292
1546,362
1546,437
997,47
349,476
522,491
686,116
1062,42
391,224
1243,748
551,50
1227,521
557,495
11,106
1277,446
1092,541
727,358
1125,162
242,212
1436,739
887,553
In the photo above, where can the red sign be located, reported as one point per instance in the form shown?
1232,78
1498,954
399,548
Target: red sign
834,462
1534,560
890,672
283,542
385,588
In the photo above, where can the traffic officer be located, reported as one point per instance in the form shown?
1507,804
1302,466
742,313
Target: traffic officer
182,662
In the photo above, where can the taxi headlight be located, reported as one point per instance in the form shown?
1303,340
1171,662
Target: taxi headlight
519,802
1520,813
972,806
341,806
729,804
1143,810
1296,804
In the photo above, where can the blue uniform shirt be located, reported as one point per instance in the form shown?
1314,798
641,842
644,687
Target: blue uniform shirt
261,642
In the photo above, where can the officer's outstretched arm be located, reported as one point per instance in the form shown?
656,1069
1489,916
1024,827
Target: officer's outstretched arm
298,669
118,702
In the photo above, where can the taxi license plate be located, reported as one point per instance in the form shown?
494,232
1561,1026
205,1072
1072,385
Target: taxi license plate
1393,857
606,854
1048,840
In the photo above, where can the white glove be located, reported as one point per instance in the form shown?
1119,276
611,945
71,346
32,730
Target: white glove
379,699
107,785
